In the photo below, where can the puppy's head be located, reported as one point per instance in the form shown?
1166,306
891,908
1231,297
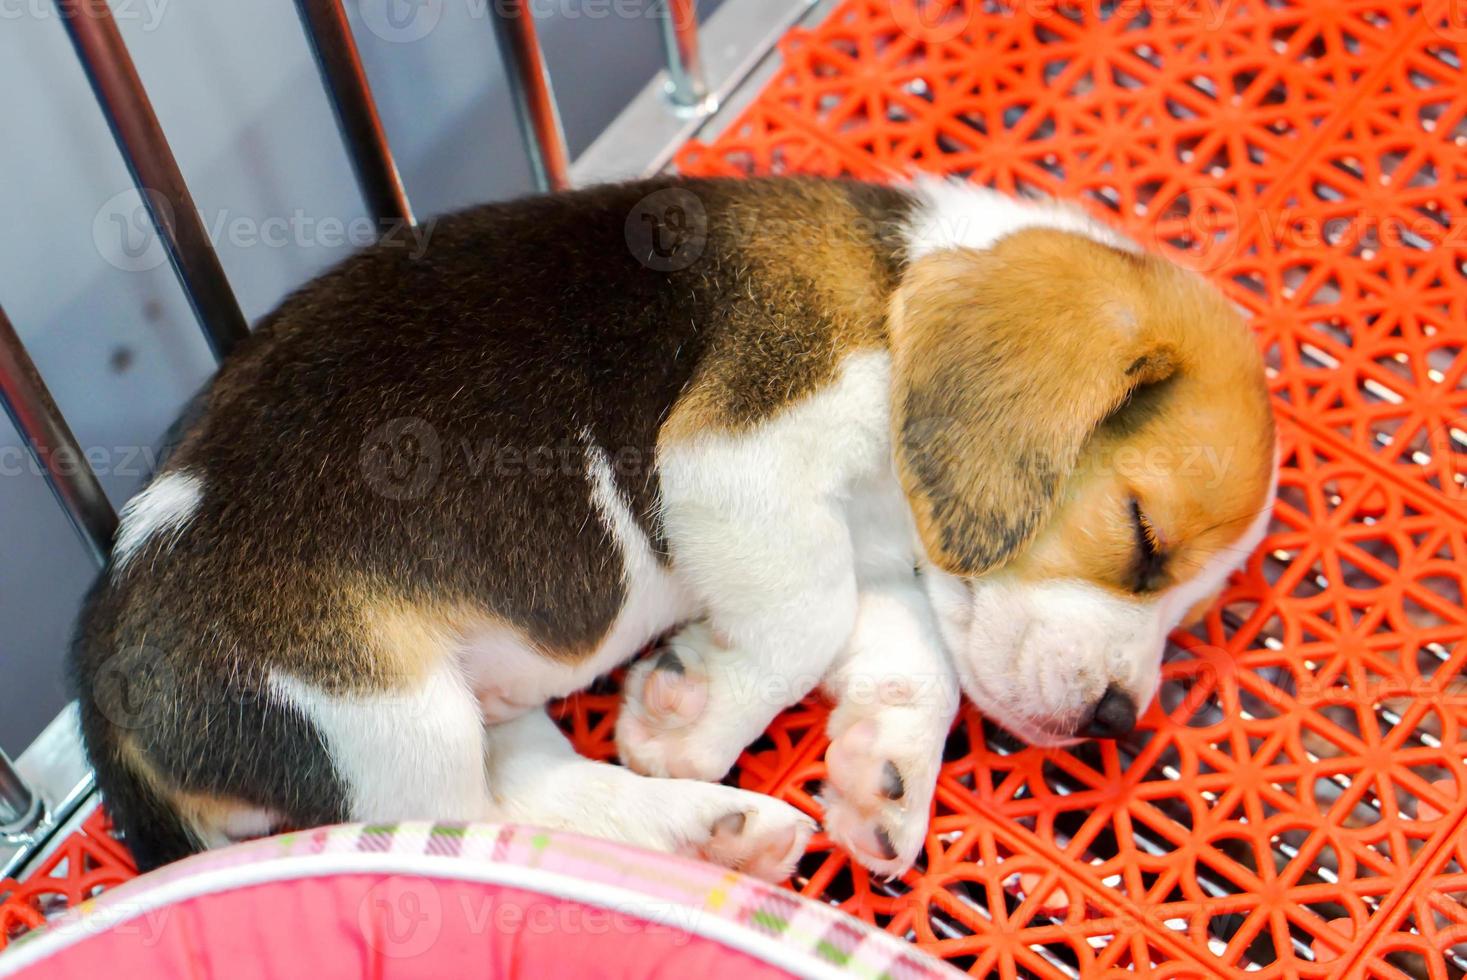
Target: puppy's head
1085,439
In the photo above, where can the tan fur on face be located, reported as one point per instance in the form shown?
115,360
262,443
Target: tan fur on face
1018,363
1197,464
1196,457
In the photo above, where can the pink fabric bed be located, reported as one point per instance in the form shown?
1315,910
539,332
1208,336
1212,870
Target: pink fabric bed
450,901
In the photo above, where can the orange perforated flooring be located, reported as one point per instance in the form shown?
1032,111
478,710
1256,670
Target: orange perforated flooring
1295,803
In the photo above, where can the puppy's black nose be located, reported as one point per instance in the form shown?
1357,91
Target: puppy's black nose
1114,715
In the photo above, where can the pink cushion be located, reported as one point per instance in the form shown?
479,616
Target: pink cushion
350,926
475,900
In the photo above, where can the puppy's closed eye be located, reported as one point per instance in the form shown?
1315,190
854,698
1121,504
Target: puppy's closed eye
1150,558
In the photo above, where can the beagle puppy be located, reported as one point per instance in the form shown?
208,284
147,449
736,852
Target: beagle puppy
817,434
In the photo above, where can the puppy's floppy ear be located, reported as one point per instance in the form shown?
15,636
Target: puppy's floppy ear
1005,361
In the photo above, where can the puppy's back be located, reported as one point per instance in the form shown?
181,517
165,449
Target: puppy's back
398,453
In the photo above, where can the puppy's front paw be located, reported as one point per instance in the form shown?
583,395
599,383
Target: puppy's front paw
673,720
879,790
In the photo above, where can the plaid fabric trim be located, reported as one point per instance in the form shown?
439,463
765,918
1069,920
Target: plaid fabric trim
376,837
822,931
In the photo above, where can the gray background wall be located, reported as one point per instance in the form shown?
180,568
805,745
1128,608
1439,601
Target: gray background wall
237,92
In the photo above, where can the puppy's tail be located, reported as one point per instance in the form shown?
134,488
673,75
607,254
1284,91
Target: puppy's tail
188,756
151,828
118,702
113,719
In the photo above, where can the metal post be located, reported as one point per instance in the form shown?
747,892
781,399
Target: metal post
336,53
55,449
687,86
534,102
120,93
20,809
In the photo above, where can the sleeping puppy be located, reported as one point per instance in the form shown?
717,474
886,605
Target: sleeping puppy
827,434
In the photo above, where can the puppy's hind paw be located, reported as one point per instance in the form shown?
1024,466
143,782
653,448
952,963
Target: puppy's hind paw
748,832
758,844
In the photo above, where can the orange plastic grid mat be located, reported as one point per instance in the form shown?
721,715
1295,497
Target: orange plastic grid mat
1296,802
86,863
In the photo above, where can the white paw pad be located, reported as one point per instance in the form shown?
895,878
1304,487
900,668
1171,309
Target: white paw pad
666,726
769,855
670,697
764,841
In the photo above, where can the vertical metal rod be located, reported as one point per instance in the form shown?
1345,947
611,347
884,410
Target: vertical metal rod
336,54
20,808
55,449
687,86
120,93
534,102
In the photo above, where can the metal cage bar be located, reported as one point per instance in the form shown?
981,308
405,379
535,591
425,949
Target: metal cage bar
534,101
61,779
345,80
687,84
120,94
55,449
21,810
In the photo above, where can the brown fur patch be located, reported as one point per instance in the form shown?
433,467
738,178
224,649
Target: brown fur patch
1010,359
815,263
